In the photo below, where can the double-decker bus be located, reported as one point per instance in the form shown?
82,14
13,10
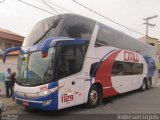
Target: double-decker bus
69,60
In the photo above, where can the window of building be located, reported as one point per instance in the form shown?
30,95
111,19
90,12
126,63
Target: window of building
152,44
8,45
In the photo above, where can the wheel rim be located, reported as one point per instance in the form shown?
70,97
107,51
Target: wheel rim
93,96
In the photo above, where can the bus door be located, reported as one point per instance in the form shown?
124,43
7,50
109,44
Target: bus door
70,62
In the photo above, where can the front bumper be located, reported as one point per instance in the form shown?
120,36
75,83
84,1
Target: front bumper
49,102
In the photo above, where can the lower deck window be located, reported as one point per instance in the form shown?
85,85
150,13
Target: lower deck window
126,68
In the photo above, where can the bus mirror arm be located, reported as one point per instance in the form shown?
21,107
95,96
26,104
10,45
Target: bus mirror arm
45,47
7,51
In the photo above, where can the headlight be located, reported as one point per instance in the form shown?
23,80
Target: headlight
47,92
44,93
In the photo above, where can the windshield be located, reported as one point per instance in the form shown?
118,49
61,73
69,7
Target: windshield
44,29
33,69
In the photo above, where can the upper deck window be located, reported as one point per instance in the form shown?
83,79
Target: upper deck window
77,27
101,39
73,26
44,29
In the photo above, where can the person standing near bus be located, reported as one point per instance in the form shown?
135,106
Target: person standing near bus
8,82
13,75
158,67
13,78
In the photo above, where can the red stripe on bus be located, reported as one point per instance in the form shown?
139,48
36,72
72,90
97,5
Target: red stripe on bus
103,74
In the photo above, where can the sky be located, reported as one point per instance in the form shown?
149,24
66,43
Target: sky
21,18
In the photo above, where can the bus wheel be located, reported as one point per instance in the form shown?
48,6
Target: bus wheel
143,86
93,97
148,84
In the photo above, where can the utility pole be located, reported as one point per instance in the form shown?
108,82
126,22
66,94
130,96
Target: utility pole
149,24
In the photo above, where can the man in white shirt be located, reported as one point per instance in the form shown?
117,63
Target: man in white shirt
8,82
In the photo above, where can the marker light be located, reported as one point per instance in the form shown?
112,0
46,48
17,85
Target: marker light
47,102
44,54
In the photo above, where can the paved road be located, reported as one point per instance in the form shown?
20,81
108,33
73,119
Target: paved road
133,102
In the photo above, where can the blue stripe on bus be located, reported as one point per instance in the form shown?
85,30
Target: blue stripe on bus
44,46
151,65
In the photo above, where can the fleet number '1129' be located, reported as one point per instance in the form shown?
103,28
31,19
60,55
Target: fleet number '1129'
67,98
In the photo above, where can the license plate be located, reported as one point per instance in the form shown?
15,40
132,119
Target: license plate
25,103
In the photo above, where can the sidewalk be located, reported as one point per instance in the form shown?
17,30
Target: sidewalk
10,105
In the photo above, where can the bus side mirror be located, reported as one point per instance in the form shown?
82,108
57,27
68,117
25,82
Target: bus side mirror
45,47
44,54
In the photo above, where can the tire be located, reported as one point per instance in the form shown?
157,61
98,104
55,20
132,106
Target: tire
93,97
143,86
148,84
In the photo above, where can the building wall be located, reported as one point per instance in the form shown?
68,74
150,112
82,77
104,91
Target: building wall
152,41
11,62
13,40
4,42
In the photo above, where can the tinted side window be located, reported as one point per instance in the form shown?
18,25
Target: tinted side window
117,68
79,58
137,68
93,69
71,59
126,68
67,61
101,39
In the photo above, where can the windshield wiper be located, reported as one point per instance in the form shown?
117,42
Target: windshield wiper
54,25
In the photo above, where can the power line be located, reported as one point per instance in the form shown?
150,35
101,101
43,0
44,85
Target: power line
50,6
36,7
40,1
56,5
106,17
